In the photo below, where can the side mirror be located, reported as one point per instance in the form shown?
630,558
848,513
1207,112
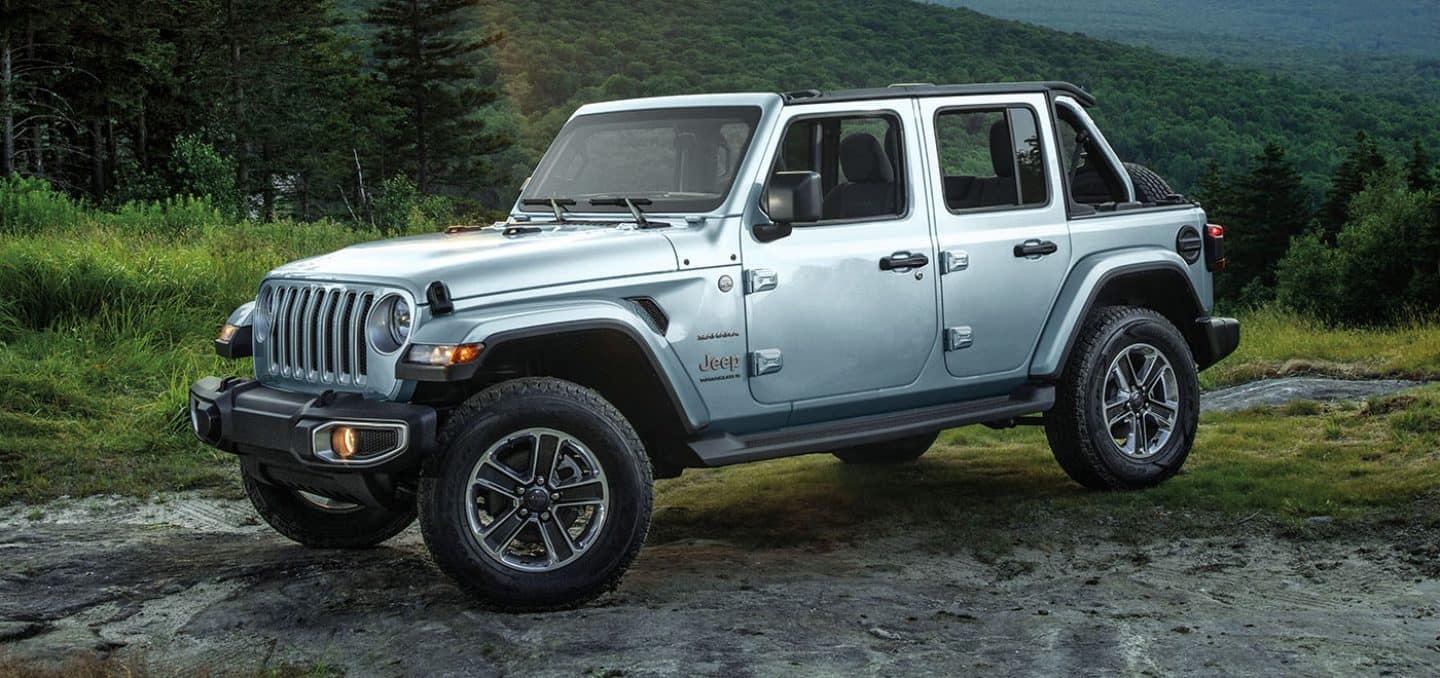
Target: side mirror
793,197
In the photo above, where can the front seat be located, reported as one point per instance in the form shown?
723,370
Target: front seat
869,186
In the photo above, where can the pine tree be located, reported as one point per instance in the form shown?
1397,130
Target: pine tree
433,70
1271,206
1420,171
1363,162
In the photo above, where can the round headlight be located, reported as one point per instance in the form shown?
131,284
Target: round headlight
400,321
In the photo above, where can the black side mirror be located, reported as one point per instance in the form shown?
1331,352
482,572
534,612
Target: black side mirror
793,197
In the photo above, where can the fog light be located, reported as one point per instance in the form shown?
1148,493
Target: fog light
344,441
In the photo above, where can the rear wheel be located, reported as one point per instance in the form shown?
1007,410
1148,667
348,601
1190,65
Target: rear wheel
540,497
889,452
322,522
1128,403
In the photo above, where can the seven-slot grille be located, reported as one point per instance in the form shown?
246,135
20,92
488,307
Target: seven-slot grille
317,332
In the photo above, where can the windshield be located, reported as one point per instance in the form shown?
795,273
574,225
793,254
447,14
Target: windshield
680,159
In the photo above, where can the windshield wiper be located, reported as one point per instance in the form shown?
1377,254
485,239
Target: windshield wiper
633,204
556,205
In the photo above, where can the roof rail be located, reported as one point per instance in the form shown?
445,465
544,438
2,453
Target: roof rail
808,96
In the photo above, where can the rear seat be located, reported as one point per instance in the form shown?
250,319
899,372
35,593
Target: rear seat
963,192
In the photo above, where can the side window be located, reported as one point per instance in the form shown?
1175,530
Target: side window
990,158
859,161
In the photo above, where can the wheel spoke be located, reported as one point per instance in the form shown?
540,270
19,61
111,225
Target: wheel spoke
586,493
1142,437
1116,412
509,473
547,451
1164,412
1122,372
495,487
558,545
1156,377
503,531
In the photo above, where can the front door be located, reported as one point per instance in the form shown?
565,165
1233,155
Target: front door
830,310
1000,222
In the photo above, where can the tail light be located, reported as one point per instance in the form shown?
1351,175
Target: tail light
1214,247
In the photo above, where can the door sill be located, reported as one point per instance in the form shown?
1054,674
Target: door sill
725,449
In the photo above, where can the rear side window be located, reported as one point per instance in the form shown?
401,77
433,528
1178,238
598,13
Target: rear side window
990,158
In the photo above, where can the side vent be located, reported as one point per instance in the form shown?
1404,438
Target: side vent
1189,244
652,310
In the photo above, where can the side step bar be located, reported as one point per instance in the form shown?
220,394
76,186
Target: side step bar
724,449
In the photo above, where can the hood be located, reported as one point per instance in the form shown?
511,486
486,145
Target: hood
486,261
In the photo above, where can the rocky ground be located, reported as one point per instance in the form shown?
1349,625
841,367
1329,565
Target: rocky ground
195,582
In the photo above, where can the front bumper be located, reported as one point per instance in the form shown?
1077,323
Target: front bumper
274,432
1219,337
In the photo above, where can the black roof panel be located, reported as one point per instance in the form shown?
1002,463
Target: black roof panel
811,96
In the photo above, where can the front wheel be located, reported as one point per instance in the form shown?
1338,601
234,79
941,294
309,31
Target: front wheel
1128,403
322,522
540,497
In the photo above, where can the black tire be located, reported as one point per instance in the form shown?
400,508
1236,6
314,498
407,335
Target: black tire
1080,437
306,522
889,452
488,419
1149,186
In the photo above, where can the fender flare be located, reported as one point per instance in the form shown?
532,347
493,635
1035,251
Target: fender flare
496,326
1081,291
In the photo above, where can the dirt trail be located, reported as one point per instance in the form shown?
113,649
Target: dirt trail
196,582
1062,599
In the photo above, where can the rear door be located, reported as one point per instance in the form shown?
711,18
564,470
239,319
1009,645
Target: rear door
825,317
1000,221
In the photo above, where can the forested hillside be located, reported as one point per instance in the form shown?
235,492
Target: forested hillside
1173,113
1387,48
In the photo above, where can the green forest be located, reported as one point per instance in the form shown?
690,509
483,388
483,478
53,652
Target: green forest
1386,48
392,114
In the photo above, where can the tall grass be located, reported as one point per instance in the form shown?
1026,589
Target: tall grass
1275,342
106,317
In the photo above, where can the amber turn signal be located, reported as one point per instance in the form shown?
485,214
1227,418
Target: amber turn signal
227,333
442,355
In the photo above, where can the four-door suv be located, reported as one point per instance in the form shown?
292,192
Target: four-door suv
698,281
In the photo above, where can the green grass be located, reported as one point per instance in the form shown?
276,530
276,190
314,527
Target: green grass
107,317
1278,343
1372,461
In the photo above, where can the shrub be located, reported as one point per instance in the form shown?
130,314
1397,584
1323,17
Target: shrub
1383,265
398,207
198,170
32,205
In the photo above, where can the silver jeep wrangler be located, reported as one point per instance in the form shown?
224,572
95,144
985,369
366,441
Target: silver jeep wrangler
697,281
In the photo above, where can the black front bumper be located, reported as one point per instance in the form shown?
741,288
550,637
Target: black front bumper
1219,337
273,432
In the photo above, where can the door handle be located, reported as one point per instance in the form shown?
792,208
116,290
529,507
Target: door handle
1036,248
903,261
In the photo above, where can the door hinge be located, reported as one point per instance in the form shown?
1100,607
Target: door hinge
760,279
957,338
954,260
765,361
